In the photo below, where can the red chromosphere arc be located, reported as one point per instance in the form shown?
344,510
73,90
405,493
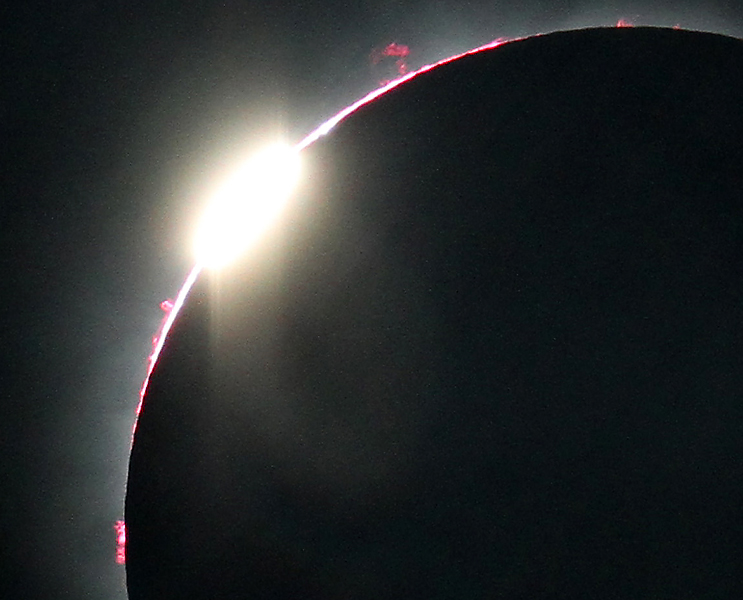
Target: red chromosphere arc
172,308
326,127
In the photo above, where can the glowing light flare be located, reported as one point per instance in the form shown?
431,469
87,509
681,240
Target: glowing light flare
246,205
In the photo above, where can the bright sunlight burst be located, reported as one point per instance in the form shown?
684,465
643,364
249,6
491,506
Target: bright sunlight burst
246,205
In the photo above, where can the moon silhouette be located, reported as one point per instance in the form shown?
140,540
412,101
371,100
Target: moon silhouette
493,349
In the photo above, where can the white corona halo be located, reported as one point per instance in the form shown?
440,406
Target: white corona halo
246,205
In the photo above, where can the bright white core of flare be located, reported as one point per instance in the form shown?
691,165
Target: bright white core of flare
246,205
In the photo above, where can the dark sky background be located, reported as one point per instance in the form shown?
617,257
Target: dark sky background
116,119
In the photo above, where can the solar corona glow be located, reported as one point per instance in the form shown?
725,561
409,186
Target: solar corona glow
246,205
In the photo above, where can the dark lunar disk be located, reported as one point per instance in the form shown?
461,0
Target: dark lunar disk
493,349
